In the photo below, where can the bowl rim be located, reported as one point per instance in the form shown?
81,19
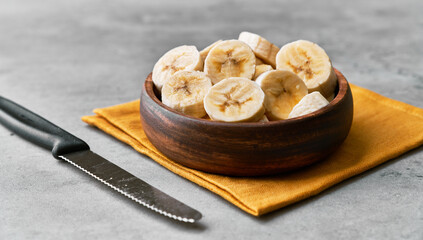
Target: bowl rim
342,92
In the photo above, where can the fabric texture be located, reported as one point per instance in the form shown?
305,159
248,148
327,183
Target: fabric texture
382,129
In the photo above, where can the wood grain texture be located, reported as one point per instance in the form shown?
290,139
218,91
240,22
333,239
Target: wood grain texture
247,149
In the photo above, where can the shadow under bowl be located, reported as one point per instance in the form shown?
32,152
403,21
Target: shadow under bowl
247,149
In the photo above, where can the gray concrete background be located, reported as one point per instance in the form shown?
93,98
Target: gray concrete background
62,59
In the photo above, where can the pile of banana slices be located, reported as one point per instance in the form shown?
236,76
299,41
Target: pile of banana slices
246,80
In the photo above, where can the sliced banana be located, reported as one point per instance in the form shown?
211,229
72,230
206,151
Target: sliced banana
231,58
177,59
235,100
185,92
311,63
262,48
261,69
283,90
205,51
310,103
264,119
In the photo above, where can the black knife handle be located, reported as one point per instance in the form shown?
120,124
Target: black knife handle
38,130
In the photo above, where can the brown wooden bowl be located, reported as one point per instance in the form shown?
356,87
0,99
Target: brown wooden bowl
247,149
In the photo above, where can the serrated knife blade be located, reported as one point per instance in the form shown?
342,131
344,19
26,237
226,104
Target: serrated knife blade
131,186
73,150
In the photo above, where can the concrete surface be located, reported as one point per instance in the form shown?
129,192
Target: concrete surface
62,59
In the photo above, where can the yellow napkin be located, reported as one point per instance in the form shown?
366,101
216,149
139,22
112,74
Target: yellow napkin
382,129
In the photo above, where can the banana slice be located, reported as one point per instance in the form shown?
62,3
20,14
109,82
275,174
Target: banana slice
205,51
185,92
177,59
264,119
311,63
262,48
310,103
235,100
261,69
283,90
231,58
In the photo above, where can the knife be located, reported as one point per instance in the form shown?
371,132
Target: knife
73,150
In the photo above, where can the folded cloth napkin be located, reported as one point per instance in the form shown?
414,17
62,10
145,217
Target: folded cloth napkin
382,129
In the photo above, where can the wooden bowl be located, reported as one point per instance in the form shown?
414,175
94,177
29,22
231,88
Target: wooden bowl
247,149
